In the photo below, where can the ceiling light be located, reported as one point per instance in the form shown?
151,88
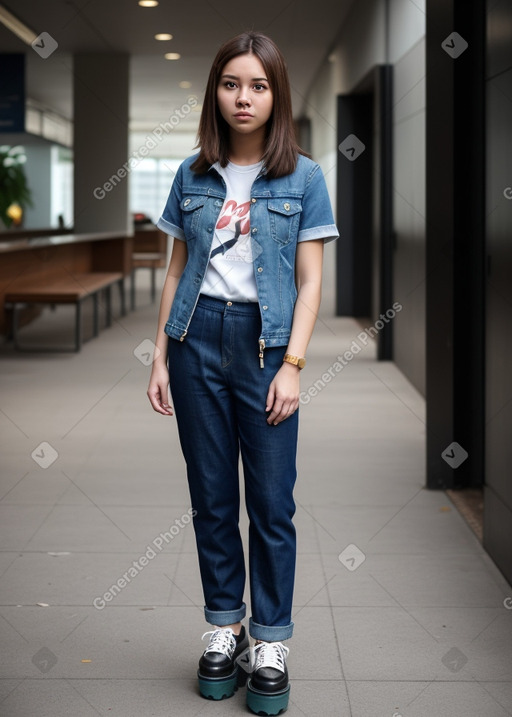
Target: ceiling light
172,55
185,85
148,3
12,23
163,36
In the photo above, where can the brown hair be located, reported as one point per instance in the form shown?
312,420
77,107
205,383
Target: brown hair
281,148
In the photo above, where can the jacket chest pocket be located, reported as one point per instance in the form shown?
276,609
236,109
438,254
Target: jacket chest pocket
192,207
284,217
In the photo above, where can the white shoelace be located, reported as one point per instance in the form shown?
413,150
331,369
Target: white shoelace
221,640
270,654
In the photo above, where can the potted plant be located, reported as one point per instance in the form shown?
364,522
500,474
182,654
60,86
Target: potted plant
14,190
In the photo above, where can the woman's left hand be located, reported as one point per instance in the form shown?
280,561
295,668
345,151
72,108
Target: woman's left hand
283,394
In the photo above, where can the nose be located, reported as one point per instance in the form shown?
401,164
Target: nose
242,99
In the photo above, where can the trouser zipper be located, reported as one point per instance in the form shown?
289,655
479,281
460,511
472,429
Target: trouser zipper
262,349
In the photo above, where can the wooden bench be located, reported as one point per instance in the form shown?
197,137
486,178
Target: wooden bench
72,289
61,269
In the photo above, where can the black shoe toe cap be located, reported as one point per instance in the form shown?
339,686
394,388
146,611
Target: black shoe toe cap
268,679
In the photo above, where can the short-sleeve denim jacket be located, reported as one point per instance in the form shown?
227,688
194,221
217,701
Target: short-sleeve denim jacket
283,211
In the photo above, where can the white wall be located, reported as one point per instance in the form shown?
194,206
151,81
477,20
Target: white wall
39,171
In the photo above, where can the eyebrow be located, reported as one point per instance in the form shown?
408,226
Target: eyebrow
254,79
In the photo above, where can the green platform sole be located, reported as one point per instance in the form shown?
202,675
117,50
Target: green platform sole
223,687
269,705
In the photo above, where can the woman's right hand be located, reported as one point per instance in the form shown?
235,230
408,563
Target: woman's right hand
158,390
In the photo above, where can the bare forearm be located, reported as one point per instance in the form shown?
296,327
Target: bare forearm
168,293
304,317
158,389
174,272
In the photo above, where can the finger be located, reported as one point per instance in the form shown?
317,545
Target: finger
270,397
286,411
158,404
283,414
276,410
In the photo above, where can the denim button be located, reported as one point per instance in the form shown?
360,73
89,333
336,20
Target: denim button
253,200
254,231
286,205
260,269
186,202
265,308
230,303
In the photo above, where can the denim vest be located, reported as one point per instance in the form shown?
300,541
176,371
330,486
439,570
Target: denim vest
283,211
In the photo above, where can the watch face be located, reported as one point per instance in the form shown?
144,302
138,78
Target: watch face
301,363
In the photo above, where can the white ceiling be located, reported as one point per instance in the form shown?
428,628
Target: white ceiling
304,30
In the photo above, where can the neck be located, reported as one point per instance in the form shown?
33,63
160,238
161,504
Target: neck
246,149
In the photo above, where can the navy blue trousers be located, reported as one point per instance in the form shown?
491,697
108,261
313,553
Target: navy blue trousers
219,394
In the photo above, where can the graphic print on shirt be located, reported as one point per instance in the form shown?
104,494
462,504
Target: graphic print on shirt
233,232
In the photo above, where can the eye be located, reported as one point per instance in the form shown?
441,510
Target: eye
259,87
230,84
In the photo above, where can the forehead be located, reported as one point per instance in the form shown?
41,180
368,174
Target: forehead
248,66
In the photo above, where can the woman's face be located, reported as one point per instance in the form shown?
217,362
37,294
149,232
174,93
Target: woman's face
244,96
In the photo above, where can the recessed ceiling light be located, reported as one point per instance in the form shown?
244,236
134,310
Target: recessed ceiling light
16,26
148,3
163,36
172,55
185,85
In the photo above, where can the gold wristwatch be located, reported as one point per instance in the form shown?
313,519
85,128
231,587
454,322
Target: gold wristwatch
295,360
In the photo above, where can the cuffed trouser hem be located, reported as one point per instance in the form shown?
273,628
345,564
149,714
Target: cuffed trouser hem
267,633
225,617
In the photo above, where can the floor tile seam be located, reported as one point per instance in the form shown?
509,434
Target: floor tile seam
179,680
306,509
297,606
139,506
15,555
333,626
331,506
449,554
492,570
413,606
175,586
61,548
9,551
416,606
27,542
292,680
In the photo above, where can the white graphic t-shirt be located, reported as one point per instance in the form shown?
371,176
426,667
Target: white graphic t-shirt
230,273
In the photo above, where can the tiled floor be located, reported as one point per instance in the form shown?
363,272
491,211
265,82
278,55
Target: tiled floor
398,610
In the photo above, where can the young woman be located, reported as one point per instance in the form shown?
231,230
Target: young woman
250,214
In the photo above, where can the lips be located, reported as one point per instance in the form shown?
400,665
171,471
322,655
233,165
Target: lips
243,115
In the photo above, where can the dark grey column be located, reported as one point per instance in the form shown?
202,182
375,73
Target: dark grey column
101,88
498,343
455,242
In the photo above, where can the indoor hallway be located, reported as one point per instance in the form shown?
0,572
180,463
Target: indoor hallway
399,612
